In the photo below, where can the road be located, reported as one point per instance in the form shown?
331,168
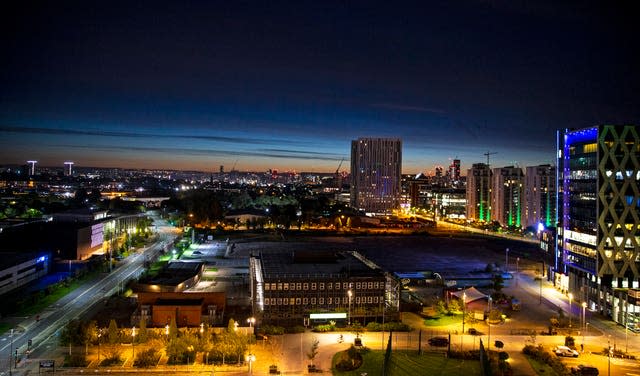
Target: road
42,332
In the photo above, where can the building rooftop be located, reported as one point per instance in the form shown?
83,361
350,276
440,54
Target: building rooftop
306,263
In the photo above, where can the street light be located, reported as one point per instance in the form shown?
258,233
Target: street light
166,332
506,260
570,298
464,309
584,321
251,358
133,343
349,313
201,328
251,321
517,269
609,355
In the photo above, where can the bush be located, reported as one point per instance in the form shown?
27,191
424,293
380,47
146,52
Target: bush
570,342
147,358
388,326
348,360
75,360
295,329
542,355
271,330
324,328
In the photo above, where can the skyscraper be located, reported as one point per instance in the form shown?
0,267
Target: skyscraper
376,165
539,196
479,192
600,226
507,196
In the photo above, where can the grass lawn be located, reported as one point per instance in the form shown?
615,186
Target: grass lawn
540,367
443,320
405,363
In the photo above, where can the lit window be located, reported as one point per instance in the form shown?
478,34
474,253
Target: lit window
313,286
305,301
305,286
298,286
279,286
321,285
292,301
313,301
298,301
286,286
321,301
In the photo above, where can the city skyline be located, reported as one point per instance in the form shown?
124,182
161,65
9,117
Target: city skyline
287,86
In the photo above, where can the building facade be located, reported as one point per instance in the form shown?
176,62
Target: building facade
539,196
479,192
507,196
600,226
297,288
376,165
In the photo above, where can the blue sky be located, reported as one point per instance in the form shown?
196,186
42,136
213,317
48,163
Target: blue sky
288,85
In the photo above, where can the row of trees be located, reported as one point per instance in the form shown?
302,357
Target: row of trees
180,345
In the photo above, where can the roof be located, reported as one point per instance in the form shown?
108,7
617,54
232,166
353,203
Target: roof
179,302
308,263
470,294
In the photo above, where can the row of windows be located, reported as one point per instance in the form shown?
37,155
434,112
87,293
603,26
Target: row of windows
322,285
321,301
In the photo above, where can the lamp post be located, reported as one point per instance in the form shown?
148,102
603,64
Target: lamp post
464,309
570,298
133,344
201,329
584,321
166,332
506,260
251,358
349,313
251,321
609,355
517,269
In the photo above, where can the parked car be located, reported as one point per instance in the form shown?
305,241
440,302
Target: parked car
584,370
565,351
439,341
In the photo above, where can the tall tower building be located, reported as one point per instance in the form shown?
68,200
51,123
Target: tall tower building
375,174
600,225
539,196
454,171
68,168
479,192
507,196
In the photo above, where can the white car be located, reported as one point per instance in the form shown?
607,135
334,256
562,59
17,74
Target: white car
565,351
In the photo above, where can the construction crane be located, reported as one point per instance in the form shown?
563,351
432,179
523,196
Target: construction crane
338,177
488,153
233,168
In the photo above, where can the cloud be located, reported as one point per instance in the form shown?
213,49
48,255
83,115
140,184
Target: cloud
196,152
103,133
408,108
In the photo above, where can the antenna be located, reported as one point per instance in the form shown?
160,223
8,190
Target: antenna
488,153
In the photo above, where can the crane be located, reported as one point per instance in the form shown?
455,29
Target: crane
234,165
488,153
338,179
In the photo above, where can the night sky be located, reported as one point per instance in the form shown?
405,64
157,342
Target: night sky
288,85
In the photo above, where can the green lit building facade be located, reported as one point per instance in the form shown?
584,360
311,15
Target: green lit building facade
507,196
479,192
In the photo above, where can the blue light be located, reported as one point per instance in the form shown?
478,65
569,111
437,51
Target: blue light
41,259
540,227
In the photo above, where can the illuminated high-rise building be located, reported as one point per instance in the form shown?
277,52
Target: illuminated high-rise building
507,196
539,196
454,171
479,192
32,167
376,165
68,168
599,172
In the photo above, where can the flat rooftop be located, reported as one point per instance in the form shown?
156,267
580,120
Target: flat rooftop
313,263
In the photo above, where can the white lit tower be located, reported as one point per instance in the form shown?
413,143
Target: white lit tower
68,168
32,167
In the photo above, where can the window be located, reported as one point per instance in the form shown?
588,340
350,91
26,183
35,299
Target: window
285,301
266,287
273,286
286,286
313,301
370,285
329,301
298,301
313,286
305,286
266,302
357,300
279,301
305,301
375,299
329,286
273,301
344,300
358,286
320,301
345,286
369,299
337,285
292,301
298,286
321,285
279,286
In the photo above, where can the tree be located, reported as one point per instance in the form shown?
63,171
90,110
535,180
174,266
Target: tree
357,329
113,334
231,328
313,350
143,329
498,282
173,329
